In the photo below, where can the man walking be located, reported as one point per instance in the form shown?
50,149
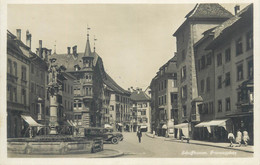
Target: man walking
139,134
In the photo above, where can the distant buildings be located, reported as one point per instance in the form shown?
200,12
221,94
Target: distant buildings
119,105
164,94
141,110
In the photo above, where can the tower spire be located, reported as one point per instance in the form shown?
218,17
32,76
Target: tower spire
95,43
87,49
88,28
55,47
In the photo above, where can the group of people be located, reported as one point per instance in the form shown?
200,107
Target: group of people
239,138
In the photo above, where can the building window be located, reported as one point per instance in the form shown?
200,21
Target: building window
24,73
159,100
250,69
228,104
165,100
219,106
112,107
23,96
240,72
79,105
203,62
208,84
249,40
238,97
184,92
9,93
239,47
219,59
219,82
165,84
143,112
202,86
9,67
75,105
206,108
32,69
15,94
15,69
227,80
227,55
183,73
209,59
183,55
184,111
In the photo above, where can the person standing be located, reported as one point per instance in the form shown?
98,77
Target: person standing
245,137
231,138
139,134
239,138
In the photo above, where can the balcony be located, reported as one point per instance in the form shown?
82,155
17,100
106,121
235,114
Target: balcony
87,97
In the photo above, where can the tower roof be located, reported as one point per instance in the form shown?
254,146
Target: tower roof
87,52
209,10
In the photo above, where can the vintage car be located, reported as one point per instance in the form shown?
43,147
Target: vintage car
118,134
107,136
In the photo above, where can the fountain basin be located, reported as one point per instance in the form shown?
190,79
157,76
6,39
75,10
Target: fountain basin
53,145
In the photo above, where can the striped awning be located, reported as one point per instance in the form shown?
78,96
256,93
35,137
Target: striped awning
31,121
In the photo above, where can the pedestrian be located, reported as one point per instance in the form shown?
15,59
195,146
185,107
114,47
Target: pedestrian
245,137
139,134
231,138
239,138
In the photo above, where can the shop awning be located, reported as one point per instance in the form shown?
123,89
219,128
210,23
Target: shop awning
70,124
120,124
31,121
143,127
182,125
164,126
73,123
107,126
213,123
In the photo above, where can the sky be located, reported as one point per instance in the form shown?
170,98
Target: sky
133,40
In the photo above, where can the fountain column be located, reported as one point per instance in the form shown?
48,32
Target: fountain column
53,89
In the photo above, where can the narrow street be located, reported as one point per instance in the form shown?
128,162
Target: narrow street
157,147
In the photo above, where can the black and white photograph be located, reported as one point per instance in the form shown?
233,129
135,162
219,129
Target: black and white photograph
110,81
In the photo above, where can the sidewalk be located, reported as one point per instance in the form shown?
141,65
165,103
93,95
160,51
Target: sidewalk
248,148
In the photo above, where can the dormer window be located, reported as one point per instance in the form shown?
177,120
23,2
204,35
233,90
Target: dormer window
76,68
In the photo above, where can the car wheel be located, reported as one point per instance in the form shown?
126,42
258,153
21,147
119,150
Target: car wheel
114,140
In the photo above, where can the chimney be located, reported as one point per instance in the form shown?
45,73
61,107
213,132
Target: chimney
40,48
68,50
18,33
237,9
28,39
74,50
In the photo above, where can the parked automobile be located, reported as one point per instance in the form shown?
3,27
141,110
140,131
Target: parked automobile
118,134
96,132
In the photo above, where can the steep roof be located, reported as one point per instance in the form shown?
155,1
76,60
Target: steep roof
113,85
226,26
209,10
204,11
139,96
87,52
70,60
